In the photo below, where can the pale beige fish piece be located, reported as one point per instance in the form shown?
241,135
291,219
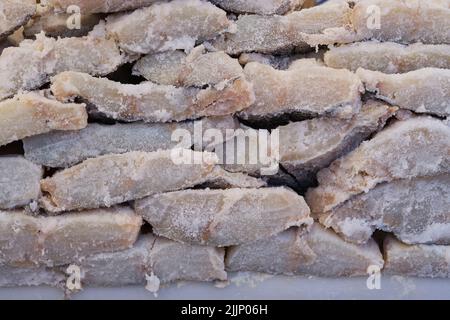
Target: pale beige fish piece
152,102
422,91
388,57
223,217
62,149
197,69
310,145
411,21
101,6
30,65
30,114
305,89
172,261
178,24
420,260
16,276
31,240
279,34
19,182
163,68
400,21
317,252
166,260
265,7
417,147
416,211
14,14
120,268
111,179
60,24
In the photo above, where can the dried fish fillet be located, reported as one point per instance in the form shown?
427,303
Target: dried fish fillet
100,6
151,102
267,7
430,261
178,24
63,149
15,13
167,260
388,57
404,21
422,91
409,21
31,114
30,65
120,268
223,217
166,67
172,261
275,34
28,240
305,89
416,211
60,24
197,69
417,147
319,252
29,276
19,182
307,146
117,178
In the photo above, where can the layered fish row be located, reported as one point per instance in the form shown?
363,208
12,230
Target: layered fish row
119,140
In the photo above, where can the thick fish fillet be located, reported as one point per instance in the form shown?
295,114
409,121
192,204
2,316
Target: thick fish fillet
30,65
11,276
409,21
63,149
310,145
152,102
28,240
56,24
223,217
306,88
422,91
280,34
388,57
167,260
15,13
19,182
319,252
197,69
178,24
430,261
31,114
417,147
112,179
416,211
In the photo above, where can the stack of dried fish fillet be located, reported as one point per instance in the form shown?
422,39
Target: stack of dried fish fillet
120,150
